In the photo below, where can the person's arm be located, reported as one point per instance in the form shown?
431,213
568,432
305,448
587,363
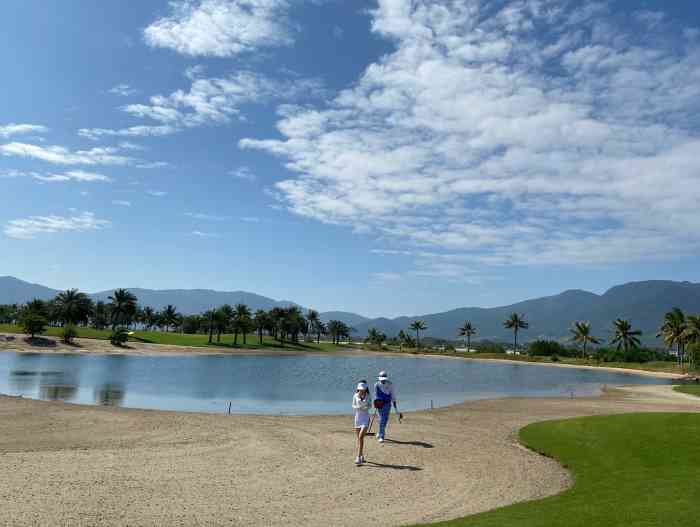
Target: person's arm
355,402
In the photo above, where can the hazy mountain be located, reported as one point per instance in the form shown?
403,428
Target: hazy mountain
14,291
189,301
643,303
351,319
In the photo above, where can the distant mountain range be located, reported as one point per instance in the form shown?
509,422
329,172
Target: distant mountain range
643,303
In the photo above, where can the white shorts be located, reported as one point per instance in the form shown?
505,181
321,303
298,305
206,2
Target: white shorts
361,419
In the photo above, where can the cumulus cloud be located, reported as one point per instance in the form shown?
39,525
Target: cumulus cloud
206,217
214,100
244,173
121,202
59,155
524,131
221,28
28,228
123,90
17,129
201,234
72,175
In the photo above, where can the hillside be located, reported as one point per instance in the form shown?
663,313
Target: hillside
643,303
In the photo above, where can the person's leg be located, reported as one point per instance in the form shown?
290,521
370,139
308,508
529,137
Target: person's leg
357,443
383,420
361,442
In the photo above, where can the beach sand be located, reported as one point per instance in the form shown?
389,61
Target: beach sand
65,464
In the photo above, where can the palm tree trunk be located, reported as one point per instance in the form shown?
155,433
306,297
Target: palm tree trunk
515,341
469,343
584,348
417,339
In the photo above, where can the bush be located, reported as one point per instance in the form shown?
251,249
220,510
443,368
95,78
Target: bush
486,346
640,355
119,337
68,333
33,323
548,348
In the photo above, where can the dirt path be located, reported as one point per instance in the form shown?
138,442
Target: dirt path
76,465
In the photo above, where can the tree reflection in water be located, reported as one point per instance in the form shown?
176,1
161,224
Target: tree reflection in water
109,394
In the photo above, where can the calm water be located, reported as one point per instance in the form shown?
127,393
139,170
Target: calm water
297,384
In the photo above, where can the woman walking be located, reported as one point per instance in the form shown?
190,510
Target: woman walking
361,403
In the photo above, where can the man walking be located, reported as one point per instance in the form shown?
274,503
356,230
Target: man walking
384,396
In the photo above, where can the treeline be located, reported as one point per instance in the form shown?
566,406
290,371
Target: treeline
72,309
679,331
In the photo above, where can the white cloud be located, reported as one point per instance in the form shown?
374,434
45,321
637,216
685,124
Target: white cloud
17,129
574,142
208,101
126,145
73,175
132,131
201,234
28,228
250,219
156,193
244,173
206,217
62,156
123,90
386,277
121,202
221,28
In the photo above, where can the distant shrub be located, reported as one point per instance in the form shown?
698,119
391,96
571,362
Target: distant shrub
33,323
68,333
548,348
119,337
486,346
554,358
640,355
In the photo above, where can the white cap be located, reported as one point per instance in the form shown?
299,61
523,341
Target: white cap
362,386
383,376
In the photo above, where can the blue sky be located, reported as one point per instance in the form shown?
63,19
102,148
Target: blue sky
385,157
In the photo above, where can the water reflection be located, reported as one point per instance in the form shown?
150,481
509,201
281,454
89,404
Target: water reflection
109,394
269,384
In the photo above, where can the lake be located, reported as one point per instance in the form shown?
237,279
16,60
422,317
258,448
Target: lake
284,384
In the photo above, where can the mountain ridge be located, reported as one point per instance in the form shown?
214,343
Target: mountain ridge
642,302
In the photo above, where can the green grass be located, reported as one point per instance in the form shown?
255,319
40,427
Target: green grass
636,470
692,389
654,366
179,339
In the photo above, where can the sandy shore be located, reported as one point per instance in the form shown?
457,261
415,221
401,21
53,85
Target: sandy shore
74,465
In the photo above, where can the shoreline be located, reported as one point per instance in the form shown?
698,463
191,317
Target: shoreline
154,350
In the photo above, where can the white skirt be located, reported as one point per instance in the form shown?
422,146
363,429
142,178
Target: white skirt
361,419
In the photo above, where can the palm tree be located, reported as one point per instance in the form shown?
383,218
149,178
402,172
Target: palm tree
418,326
691,335
99,318
169,317
122,307
623,335
467,331
223,318
241,321
260,320
315,323
673,332
73,307
582,334
149,317
516,323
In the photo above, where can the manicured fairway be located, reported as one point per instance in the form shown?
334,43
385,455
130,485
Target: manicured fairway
692,389
638,470
183,339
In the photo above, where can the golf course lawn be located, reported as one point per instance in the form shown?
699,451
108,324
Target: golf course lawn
692,389
184,339
629,470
